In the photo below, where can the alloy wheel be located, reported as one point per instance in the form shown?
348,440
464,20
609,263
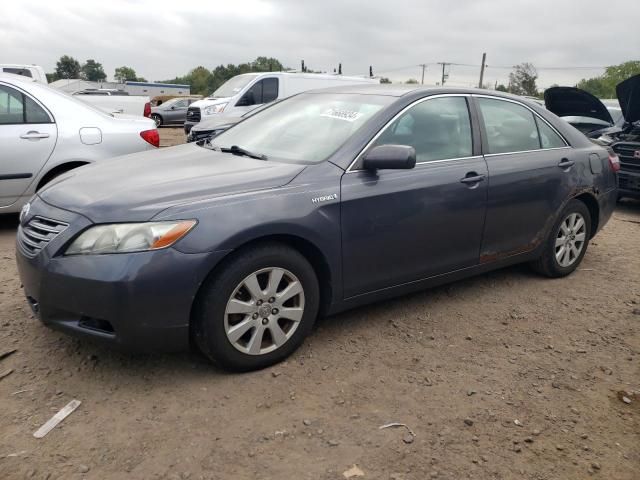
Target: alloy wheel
570,240
264,311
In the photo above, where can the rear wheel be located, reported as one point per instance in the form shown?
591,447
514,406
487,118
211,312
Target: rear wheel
258,309
157,118
567,244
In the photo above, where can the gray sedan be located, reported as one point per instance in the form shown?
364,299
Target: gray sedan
171,112
323,202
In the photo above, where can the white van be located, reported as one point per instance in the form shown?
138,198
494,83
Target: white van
32,71
243,93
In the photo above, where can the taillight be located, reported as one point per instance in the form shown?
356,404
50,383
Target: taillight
614,162
147,110
151,136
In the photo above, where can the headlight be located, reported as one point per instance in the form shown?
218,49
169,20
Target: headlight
129,237
213,109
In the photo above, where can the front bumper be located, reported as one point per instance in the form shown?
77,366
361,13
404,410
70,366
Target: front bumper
188,126
138,301
629,184
197,135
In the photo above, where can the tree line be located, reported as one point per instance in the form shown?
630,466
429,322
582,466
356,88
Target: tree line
69,67
522,80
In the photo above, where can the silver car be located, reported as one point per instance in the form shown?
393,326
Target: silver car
171,112
45,133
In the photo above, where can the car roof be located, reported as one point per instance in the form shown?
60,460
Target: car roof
400,90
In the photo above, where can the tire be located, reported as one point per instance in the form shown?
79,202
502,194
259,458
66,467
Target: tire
230,317
556,262
158,119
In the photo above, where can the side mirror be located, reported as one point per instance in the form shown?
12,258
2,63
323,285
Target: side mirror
392,157
173,107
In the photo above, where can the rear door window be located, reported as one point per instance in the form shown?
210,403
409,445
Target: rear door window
548,137
17,108
509,127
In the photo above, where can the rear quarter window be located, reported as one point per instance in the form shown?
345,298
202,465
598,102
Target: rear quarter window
509,127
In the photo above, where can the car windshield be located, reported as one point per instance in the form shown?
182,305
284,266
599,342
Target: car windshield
232,86
306,128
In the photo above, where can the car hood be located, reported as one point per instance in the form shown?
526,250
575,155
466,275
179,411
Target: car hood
205,102
137,187
215,123
628,93
574,102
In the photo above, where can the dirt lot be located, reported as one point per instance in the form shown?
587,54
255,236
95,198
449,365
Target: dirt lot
506,375
171,136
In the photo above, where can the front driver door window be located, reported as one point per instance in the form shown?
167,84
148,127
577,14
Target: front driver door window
400,226
264,91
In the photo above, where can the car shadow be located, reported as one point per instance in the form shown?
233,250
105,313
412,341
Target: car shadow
628,205
9,221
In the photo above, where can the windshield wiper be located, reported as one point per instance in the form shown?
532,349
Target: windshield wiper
236,150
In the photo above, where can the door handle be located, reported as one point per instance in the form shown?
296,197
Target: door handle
33,135
472,178
566,163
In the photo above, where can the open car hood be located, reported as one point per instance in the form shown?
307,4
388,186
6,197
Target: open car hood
574,102
628,93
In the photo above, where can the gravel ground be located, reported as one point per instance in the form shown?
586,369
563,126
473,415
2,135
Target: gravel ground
506,375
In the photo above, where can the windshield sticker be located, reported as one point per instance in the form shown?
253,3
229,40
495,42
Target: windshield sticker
347,115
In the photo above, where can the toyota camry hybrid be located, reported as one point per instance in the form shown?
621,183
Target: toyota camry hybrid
322,202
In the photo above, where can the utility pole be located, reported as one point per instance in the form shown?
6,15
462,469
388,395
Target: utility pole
444,75
424,66
484,60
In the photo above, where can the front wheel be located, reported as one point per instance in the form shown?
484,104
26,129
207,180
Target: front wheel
258,309
567,244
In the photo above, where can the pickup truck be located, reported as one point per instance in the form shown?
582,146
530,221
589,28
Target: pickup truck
116,101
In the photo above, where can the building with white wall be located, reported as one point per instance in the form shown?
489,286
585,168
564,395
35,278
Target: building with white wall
149,89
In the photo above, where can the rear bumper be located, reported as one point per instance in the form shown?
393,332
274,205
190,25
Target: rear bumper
138,301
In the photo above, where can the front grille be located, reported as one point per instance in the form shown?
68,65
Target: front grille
193,114
626,154
37,233
200,135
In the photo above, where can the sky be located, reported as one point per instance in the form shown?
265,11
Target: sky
164,39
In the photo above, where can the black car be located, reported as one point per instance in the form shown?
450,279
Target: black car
589,115
323,202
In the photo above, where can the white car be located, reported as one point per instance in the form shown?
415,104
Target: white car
31,71
45,133
245,92
116,101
